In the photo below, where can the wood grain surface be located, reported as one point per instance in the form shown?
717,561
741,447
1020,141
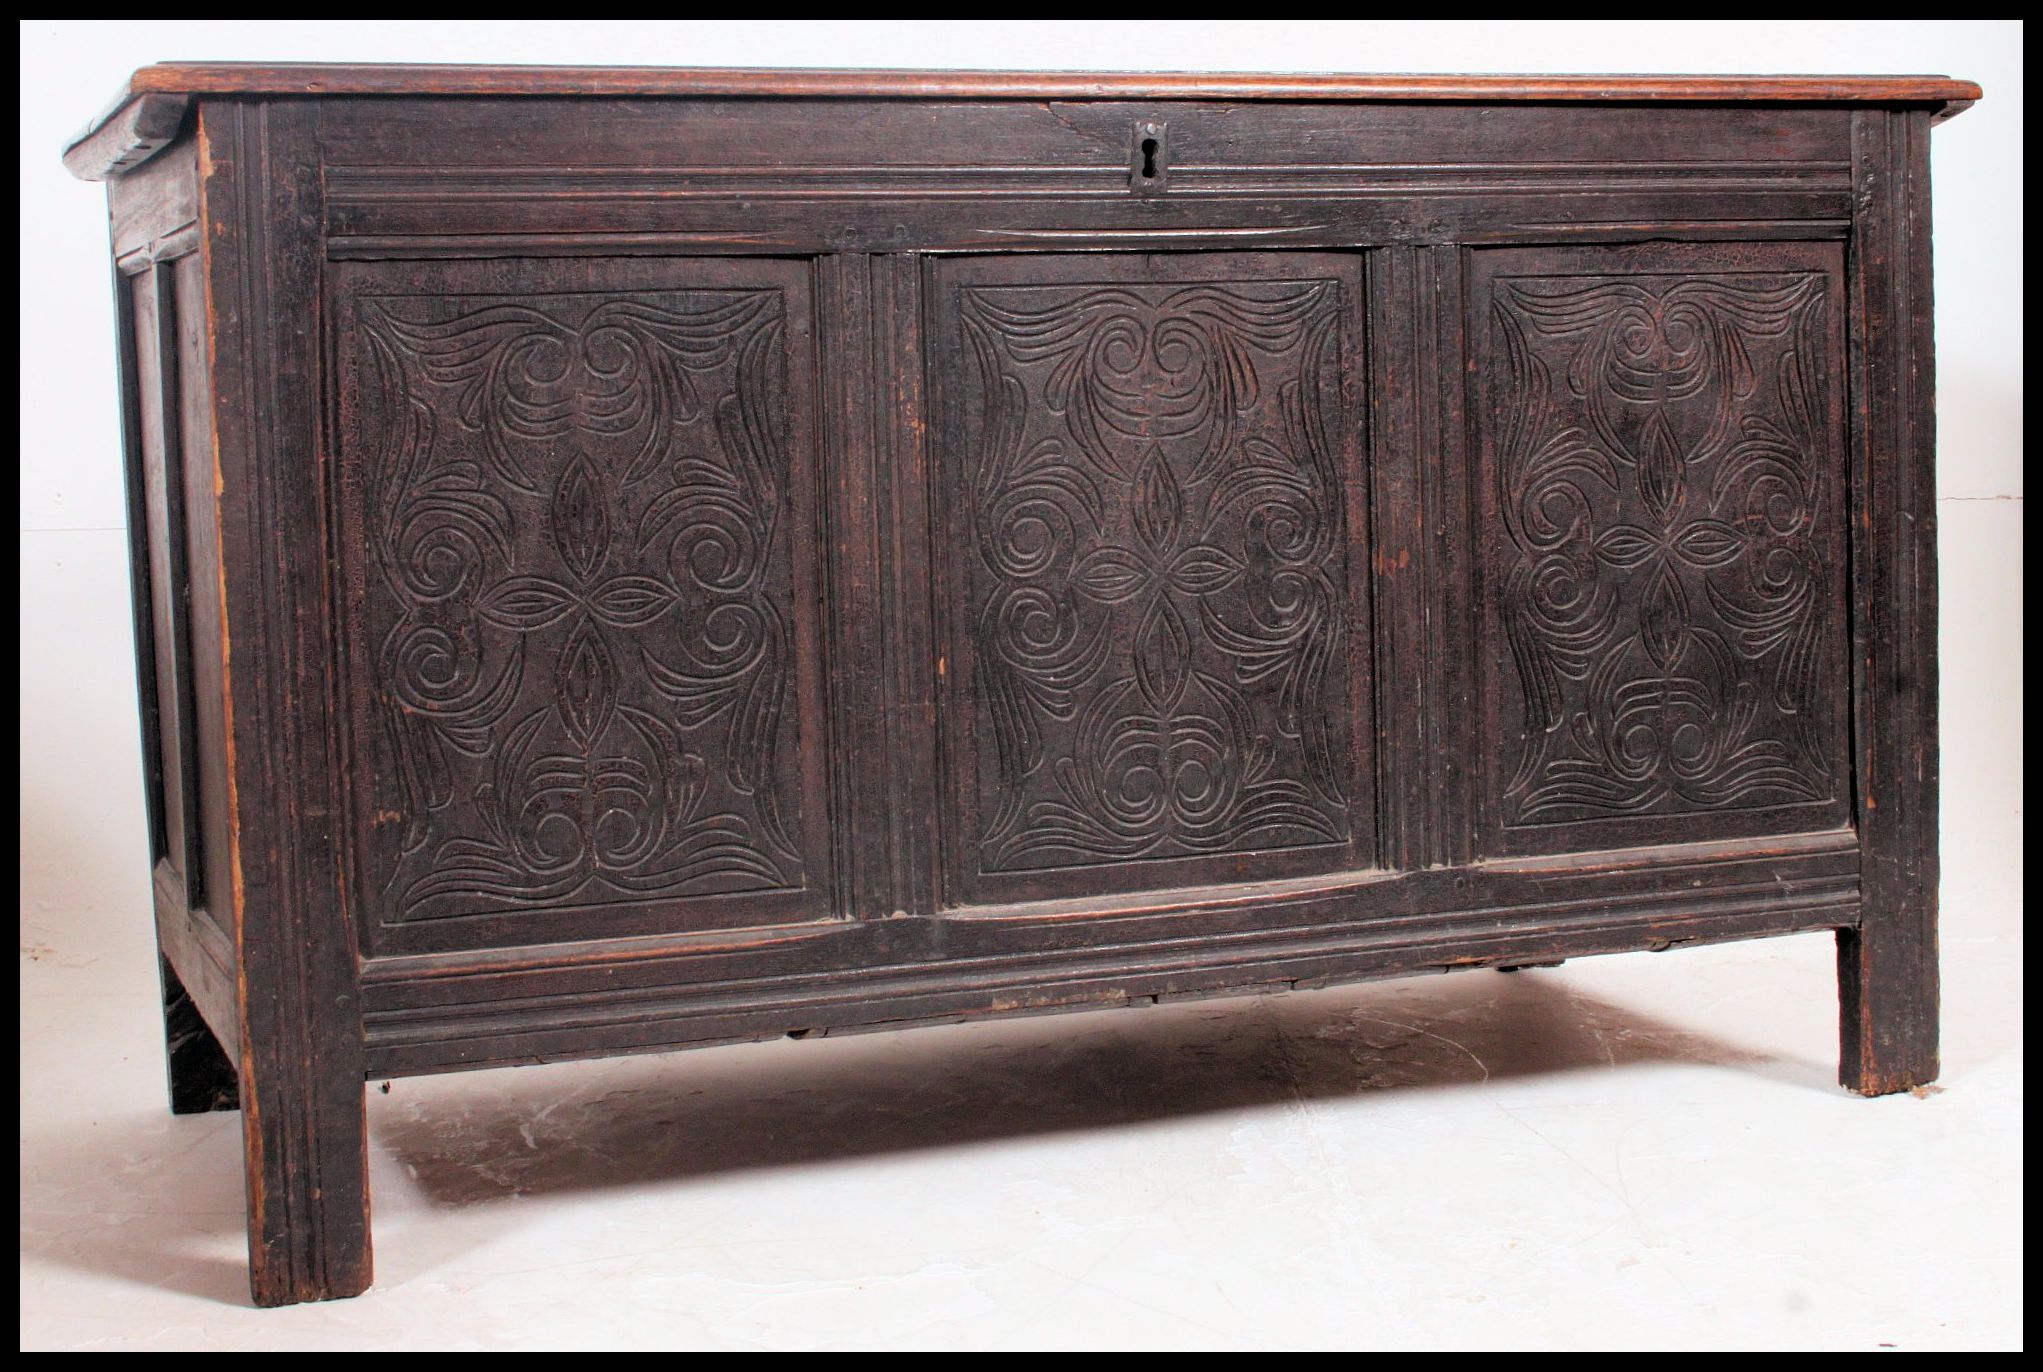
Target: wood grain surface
741,554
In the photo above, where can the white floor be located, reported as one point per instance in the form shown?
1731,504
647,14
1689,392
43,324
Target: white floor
1625,1152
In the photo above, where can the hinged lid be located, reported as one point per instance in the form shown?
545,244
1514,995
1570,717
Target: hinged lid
159,93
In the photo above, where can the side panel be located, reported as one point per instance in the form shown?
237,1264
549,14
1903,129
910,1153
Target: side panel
153,315
166,364
202,568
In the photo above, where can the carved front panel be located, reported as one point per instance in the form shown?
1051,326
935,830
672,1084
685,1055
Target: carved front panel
578,570
1662,539
1156,669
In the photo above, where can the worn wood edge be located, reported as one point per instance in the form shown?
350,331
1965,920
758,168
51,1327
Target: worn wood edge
1888,976
303,1118
664,1020
485,990
202,955
1320,237
127,132
254,78
200,1069
154,208
134,129
1197,903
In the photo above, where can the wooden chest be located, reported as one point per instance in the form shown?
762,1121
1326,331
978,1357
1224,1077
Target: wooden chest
628,559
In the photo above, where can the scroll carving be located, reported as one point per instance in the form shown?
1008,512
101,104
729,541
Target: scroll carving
1156,569
1664,479
575,510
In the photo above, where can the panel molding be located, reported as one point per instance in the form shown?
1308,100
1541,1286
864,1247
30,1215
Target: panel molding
1888,981
446,1013
865,176
1419,498
1158,639
1662,526
581,655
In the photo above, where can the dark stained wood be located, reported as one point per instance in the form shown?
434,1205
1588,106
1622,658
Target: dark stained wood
1887,966
908,751
235,78
208,903
135,422
528,602
167,401
304,1138
734,554
850,530
474,177
202,1076
202,954
437,1013
193,952
780,149
1156,570
1660,539
144,115
1420,491
163,489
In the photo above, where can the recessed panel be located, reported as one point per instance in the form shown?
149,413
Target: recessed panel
1661,543
579,574
1155,666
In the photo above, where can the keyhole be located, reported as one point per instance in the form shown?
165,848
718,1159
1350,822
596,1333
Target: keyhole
1148,157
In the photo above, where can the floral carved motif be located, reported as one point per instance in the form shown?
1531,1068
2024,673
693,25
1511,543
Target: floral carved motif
1665,477
1157,568
578,595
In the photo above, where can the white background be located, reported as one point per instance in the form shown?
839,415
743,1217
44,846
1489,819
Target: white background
1861,1223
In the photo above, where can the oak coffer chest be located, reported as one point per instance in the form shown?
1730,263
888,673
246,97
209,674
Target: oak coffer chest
627,559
